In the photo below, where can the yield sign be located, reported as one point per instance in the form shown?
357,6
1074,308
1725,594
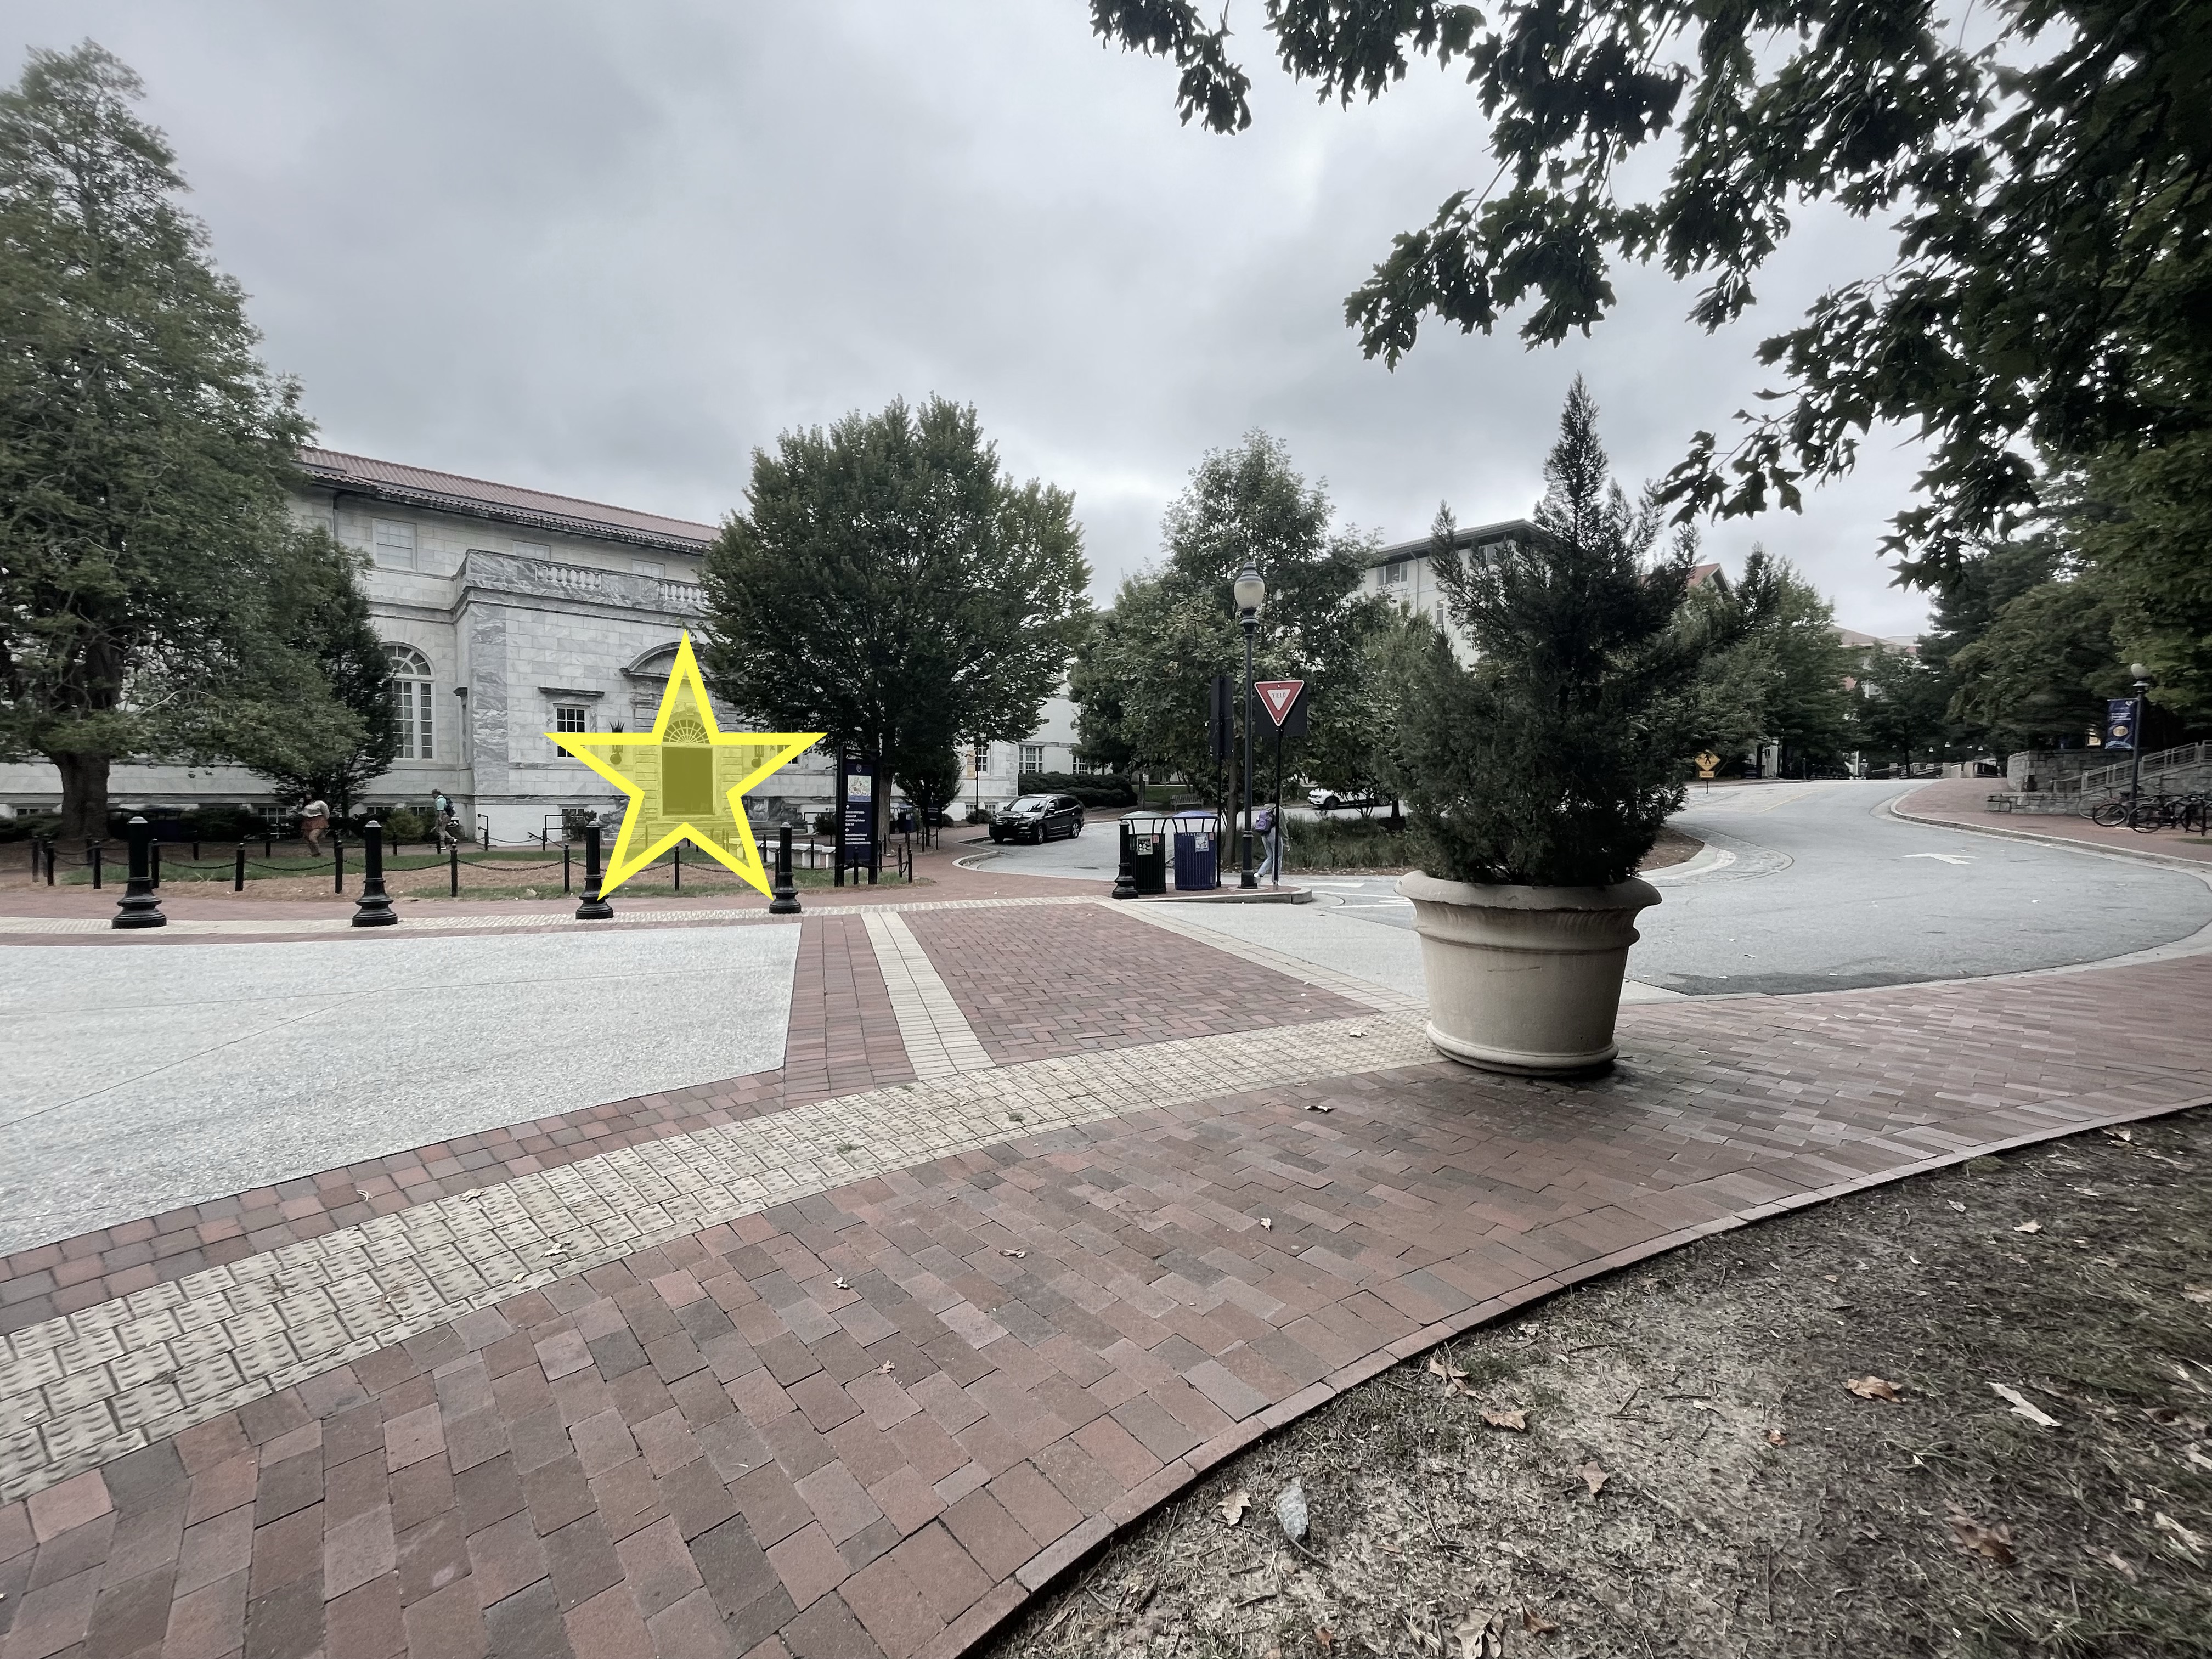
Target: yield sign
1277,695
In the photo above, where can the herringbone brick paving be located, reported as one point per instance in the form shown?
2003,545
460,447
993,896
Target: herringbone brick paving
871,1422
1077,980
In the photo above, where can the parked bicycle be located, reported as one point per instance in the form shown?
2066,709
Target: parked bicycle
2184,813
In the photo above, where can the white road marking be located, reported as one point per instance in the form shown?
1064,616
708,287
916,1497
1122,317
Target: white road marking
1948,858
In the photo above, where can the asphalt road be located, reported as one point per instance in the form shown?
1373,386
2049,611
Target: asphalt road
1820,890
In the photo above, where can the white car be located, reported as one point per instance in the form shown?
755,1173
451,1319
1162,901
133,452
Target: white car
1328,800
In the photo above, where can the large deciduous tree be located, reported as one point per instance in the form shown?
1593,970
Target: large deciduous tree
2044,164
888,583
313,714
143,449
1143,681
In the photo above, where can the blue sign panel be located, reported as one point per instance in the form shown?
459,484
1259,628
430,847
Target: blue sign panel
856,810
2120,723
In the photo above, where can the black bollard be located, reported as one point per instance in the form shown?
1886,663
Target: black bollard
154,861
138,907
1125,878
238,871
94,853
565,887
679,866
337,866
453,869
375,909
783,898
594,909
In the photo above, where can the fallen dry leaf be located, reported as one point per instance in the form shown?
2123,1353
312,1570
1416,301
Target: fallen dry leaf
1267,1221
2200,1294
1017,1255
1319,1106
885,1369
2195,1543
2198,1460
2121,1134
1993,1542
1536,1624
1234,1505
2112,1559
1516,1420
1437,1367
1955,1205
841,1283
2029,1227
2023,1406
1480,1638
1874,1388
1324,1637
1594,1477
1776,1437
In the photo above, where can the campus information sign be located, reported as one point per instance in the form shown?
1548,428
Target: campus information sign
686,779
856,812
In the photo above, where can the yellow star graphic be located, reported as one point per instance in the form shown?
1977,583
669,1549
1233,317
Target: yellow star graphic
687,772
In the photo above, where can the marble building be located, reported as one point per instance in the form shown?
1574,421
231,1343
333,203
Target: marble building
507,613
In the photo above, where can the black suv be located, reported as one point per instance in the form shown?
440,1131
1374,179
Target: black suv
1037,818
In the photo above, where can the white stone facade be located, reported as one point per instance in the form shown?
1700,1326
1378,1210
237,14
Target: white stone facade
518,610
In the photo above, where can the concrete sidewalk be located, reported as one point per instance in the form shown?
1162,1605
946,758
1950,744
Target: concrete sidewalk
786,1371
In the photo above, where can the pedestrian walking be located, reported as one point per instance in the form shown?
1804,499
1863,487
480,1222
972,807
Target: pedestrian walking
314,824
1269,822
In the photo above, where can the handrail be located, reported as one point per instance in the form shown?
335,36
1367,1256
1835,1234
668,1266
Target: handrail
2116,775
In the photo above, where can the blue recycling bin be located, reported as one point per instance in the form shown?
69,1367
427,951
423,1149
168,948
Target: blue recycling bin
1197,851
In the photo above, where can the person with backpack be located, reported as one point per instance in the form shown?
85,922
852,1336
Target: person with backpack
1268,822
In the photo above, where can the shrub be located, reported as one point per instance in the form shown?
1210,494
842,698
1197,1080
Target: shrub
1555,758
1091,788
1346,844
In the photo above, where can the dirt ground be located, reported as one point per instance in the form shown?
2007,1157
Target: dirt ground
1674,1460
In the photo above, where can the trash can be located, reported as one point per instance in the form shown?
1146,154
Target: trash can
1148,852
1197,851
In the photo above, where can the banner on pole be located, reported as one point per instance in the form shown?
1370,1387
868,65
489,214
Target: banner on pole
2120,723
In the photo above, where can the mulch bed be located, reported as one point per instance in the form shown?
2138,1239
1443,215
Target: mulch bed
1675,1459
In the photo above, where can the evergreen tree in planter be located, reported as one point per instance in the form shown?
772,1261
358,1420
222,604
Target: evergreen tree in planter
1539,777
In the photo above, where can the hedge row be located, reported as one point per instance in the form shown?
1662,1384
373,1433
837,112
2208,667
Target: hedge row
1091,788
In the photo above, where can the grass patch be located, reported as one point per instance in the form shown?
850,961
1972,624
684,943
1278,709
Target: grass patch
1340,842
1750,1503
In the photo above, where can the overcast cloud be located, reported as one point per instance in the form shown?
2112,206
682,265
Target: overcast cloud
607,250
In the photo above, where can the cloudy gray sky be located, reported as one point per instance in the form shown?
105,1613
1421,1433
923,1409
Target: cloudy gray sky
609,249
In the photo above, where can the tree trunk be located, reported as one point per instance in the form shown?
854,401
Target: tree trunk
84,796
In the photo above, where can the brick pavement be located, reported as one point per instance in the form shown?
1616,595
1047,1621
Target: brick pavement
1963,802
874,1420
1077,980
840,1040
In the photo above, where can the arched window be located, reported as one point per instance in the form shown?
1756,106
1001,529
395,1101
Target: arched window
412,715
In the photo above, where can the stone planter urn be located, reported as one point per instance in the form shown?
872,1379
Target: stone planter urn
1525,980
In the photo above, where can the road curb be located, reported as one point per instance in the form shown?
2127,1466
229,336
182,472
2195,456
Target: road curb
2139,855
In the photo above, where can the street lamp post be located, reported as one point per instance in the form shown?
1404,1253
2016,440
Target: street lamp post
1251,592
2135,752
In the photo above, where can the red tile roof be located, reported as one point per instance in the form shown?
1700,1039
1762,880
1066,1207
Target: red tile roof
418,486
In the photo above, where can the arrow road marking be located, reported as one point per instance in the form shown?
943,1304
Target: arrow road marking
1948,858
